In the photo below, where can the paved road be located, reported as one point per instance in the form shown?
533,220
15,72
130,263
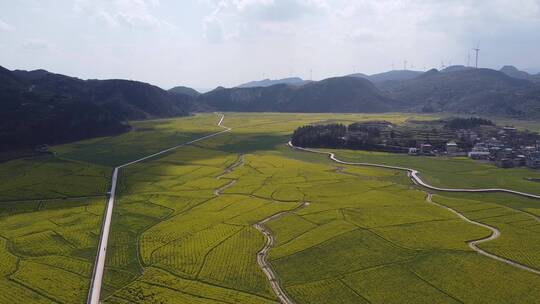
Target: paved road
413,174
263,255
495,233
99,265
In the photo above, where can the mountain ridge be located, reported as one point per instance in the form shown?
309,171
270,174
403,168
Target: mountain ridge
338,94
40,107
294,81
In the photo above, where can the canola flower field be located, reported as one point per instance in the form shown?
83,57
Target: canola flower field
183,224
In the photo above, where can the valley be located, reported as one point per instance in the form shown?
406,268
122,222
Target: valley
186,224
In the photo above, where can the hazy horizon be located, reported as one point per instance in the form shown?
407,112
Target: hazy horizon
206,43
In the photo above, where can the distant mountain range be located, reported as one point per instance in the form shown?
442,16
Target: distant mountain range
293,81
395,75
342,94
512,71
39,107
471,91
456,88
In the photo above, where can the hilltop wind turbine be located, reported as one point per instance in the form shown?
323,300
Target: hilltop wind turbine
477,50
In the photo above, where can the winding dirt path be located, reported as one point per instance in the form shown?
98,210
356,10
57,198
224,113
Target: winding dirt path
238,163
413,175
262,256
99,265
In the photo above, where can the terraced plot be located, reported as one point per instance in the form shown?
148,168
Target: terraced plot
367,236
47,250
183,226
49,177
520,237
170,219
456,172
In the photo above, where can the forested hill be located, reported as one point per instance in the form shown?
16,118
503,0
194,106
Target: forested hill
39,107
341,94
467,91
455,89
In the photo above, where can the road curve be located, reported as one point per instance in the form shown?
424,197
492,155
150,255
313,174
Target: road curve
495,233
414,175
263,255
99,264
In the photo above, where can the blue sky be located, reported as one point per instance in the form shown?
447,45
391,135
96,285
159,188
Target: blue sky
206,43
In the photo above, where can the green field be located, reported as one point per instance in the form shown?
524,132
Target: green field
47,250
452,172
367,236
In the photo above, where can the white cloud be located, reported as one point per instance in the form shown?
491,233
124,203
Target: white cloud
131,13
277,38
247,20
36,44
213,29
5,27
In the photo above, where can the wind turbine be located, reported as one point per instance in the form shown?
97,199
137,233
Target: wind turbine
477,50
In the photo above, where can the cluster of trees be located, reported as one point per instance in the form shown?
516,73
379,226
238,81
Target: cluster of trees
320,136
467,123
355,136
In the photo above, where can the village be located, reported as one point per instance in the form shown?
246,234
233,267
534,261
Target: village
507,148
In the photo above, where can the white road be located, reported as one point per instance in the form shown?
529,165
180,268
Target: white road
99,265
495,233
413,174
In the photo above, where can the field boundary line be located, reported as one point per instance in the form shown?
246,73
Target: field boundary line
414,175
52,199
262,255
353,290
495,233
99,264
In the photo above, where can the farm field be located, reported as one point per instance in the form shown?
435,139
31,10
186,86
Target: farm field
147,137
48,177
47,250
183,224
368,235
452,172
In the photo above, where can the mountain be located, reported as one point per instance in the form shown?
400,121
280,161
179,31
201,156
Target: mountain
512,71
294,81
471,91
185,91
340,94
455,68
39,107
395,75
125,98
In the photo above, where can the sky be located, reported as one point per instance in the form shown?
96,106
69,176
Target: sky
208,43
